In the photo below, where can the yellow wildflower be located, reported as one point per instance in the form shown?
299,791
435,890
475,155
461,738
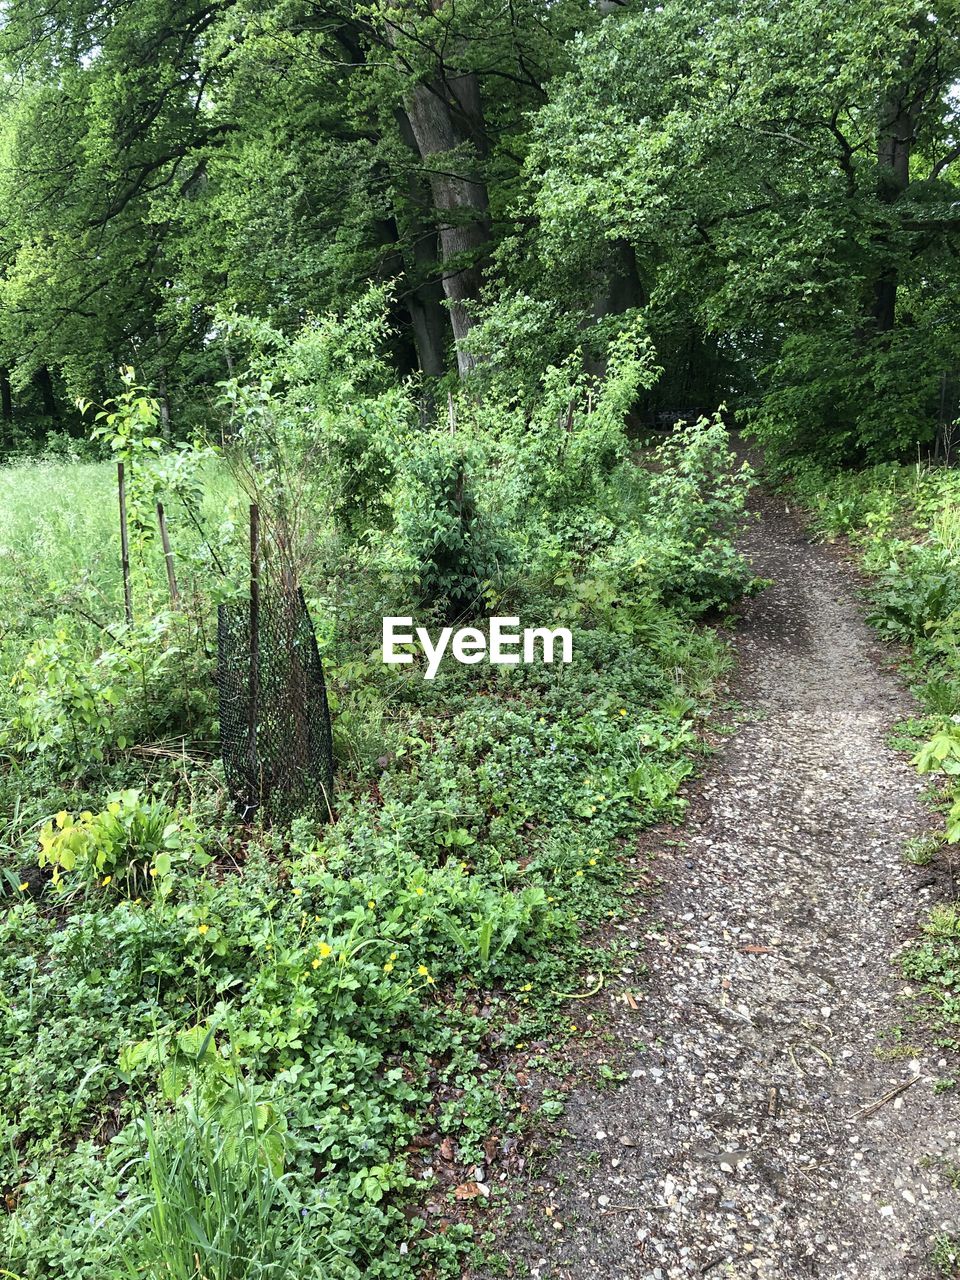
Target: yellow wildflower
388,967
25,886
325,950
423,970
202,929
314,964
105,881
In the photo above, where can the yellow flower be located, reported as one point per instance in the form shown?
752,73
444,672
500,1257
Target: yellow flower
527,986
388,967
593,862
423,970
430,980
153,871
202,929
580,872
105,881
573,1026
393,955
371,904
325,950
314,964
25,886
622,711
420,892
297,893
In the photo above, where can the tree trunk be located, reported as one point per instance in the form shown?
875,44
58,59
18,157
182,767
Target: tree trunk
623,292
45,386
422,295
437,115
898,122
6,396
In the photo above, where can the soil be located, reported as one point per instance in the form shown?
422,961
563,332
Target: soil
776,1120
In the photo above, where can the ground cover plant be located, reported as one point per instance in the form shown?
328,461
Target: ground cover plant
222,1044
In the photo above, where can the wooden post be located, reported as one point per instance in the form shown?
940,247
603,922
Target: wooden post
168,557
253,693
124,545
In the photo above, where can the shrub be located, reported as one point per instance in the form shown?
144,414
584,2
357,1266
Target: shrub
443,543
74,702
696,508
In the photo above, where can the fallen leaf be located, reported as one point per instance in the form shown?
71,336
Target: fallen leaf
466,1191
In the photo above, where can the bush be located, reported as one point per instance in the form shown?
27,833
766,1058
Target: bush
74,701
444,545
695,509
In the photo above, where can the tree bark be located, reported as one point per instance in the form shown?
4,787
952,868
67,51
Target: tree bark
423,293
896,134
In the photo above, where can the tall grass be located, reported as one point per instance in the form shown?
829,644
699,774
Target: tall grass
211,1204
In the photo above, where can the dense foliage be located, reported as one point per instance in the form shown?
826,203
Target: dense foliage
772,187
424,282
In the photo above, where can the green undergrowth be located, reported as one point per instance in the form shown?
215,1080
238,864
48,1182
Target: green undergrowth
904,522
232,1051
368,981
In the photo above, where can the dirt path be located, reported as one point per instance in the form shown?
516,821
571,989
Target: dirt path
741,1146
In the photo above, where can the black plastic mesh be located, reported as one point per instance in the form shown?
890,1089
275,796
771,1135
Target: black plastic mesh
279,760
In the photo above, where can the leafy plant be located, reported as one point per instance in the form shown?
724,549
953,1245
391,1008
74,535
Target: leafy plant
133,842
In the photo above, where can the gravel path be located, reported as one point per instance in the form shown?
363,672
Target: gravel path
744,1144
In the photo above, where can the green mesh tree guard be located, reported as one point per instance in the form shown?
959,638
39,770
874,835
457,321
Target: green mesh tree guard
275,733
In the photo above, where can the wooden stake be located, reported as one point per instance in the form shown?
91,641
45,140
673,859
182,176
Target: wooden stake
168,557
254,688
124,545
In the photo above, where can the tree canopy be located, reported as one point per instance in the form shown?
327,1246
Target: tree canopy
772,187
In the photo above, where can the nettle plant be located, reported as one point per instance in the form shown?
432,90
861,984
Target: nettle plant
696,507
444,543
135,844
942,755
